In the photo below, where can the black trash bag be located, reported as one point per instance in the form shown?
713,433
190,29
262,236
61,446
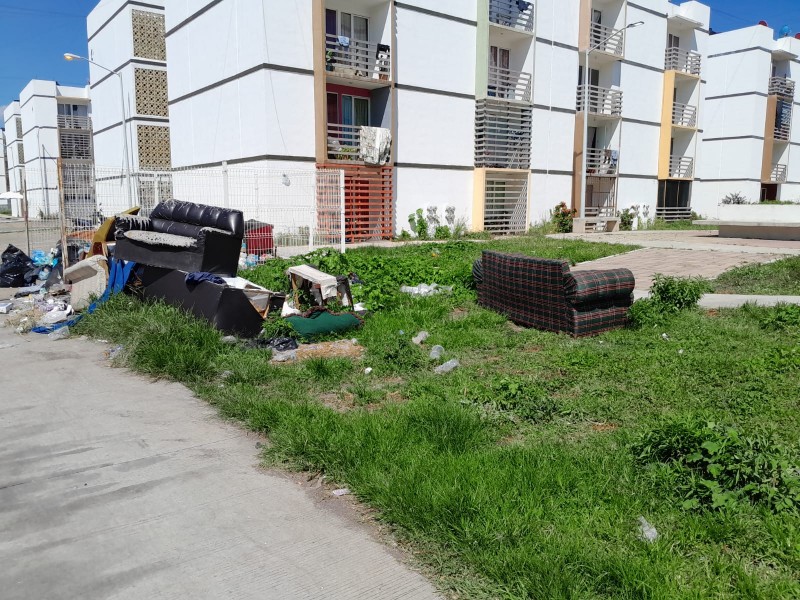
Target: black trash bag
17,268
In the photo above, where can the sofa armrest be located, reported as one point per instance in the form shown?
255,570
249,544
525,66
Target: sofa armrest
123,223
585,287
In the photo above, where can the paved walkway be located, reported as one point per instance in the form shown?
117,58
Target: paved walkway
690,240
112,486
686,263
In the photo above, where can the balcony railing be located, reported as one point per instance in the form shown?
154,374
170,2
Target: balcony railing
686,61
509,85
74,122
781,86
684,115
674,213
783,131
511,13
344,142
602,161
608,40
358,59
503,133
779,174
602,204
681,167
601,101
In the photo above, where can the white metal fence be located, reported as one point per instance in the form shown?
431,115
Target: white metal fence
286,212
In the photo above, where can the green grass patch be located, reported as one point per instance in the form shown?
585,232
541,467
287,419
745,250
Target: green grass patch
522,473
781,277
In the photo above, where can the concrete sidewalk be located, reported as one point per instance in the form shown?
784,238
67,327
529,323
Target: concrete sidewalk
112,486
732,300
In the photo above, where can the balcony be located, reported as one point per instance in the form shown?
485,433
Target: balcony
684,115
503,135
512,14
674,213
509,85
781,86
505,209
783,130
681,167
607,40
74,122
346,144
779,174
602,101
683,61
367,62
75,146
602,162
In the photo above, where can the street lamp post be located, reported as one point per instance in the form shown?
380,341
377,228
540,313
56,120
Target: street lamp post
70,57
589,50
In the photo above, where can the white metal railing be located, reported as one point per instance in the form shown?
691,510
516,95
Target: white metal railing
506,204
357,58
781,86
681,167
602,161
509,85
779,174
74,122
686,61
503,133
674,213
608,40
783,131
602,101
511,13
684,115
344,142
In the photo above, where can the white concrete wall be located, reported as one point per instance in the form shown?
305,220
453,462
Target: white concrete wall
420,188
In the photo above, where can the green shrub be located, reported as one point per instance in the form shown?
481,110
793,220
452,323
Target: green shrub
626,219
562,216
714,466
646,312
519,395
783,317
418,224
678,293
442,232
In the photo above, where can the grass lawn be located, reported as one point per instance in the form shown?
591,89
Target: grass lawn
781,277
519,475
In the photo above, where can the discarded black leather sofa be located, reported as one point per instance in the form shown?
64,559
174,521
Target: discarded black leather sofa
184,236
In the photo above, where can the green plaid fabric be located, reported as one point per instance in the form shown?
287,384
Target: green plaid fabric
542,293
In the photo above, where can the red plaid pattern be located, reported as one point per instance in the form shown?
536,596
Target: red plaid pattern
542,293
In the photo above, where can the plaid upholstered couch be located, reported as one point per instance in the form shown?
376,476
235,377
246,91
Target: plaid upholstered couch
543,293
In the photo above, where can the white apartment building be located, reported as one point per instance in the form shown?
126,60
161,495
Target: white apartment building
52,126
14,151
750,138
3,163
478,96
127,38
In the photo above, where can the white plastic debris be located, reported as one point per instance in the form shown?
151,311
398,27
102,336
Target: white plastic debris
420,337
56,316
288,310
59,334
680,351
341,492
447,367
425,289
647,532
436,352
228,339
287,356
664,336
368,370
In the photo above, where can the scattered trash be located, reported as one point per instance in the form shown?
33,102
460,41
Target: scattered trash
27,291
436,352
450,365
647,532
5,307
420,337
401,332
229,339
282,357
56,315
341,492
680,351
368,370
664,336
289,309
113,353
354,341
259,445
360,308
281,344
425,289
61,333
337,349
16,269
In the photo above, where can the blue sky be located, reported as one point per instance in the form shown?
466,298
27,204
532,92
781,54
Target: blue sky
36,33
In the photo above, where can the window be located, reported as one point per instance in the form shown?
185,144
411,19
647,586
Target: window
673,41
355,111
346,24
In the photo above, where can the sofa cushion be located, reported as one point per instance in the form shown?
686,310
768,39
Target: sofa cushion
588,287
175,227
200,215
156,238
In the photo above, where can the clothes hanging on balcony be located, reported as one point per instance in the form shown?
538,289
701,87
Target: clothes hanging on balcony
376,145
523,6
344,41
